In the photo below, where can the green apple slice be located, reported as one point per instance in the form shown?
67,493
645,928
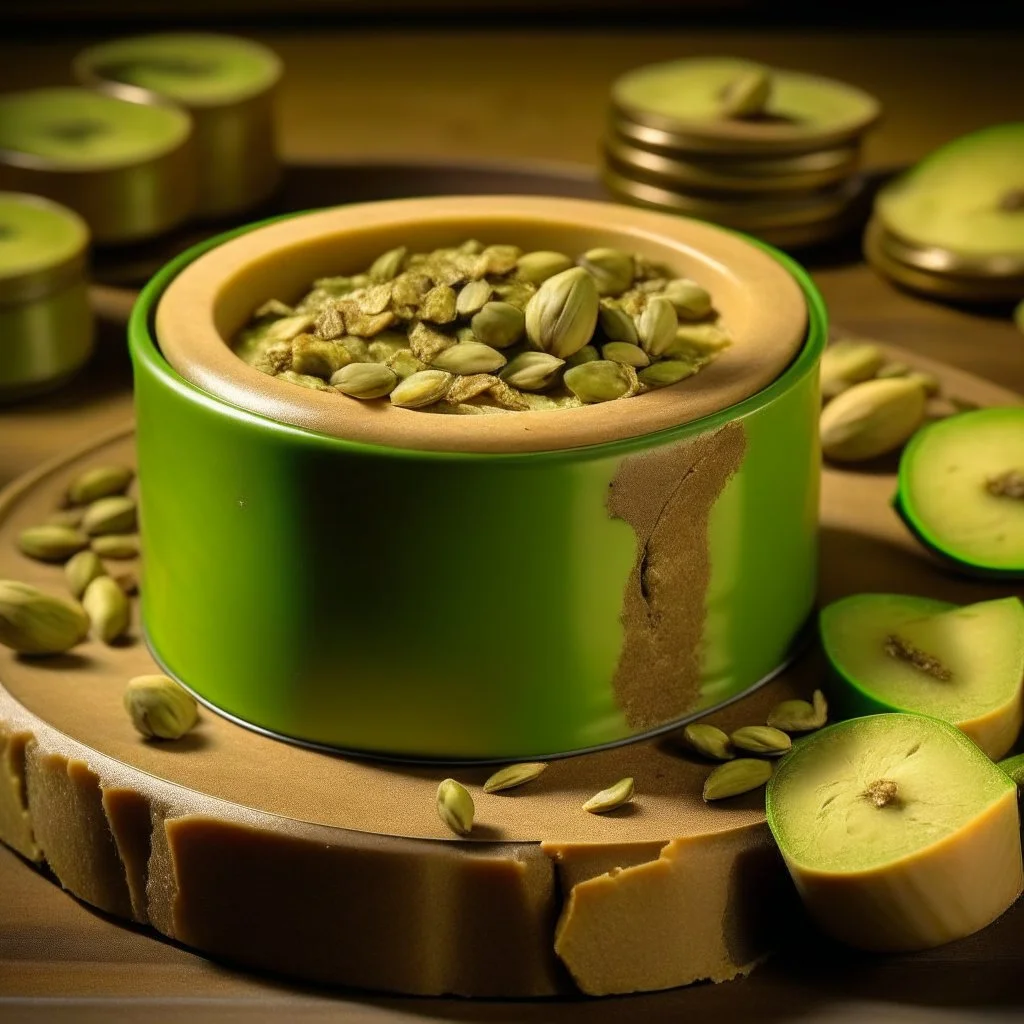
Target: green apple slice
961,490
963,665
967,197
898,832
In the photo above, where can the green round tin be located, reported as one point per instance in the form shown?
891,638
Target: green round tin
467,606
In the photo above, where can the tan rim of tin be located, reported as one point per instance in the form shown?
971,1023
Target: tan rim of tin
759,301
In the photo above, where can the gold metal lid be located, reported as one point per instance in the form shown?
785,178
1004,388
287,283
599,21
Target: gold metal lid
42,248
753,176
676,104
759,303
127,169
937,273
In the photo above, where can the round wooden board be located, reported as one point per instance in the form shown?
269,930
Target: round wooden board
339,870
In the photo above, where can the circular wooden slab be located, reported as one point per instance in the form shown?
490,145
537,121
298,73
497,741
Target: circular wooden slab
339,870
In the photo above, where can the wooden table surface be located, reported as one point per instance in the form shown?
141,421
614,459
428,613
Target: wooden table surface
515,96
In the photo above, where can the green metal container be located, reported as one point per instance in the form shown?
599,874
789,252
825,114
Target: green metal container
467,606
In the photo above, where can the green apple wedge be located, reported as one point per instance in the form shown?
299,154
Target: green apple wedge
898,832
966,197
964,665
961,490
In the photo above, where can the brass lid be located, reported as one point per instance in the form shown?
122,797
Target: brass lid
676,105
197,70
42,248
799,173
759,302
936,272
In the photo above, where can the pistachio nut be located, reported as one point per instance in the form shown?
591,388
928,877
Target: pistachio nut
469,357
513,775
71,517
928,381
357,348
623,352
617,324
116,545
99,482
439,305
330,324
708,740
273,309
364,380
34,622
532,371
690,301
81,569
318,358
385,345
470,386
108,609
799,715
290,327
420,389
871,419
587,354
387,265
736,777
848,362
698,341
473,297
611,798
500,259
761,739
611,269
498,324
159,708
747,94
426,342
109,515
51,543
894,369
561,317
507,397
404,364
375,299
657,326
668,371
537,267
455,807
599,381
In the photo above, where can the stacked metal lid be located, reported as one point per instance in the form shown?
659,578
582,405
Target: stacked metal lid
953,226
773,153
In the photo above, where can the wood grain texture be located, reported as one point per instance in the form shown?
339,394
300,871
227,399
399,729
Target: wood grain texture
533,95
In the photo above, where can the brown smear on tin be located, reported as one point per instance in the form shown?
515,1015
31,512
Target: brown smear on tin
666,495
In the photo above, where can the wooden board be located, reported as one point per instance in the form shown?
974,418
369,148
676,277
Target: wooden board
339,870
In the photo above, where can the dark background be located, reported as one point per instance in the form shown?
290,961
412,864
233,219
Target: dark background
57,16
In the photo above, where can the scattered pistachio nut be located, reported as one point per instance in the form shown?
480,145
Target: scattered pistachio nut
116,545
928,381
871,419
365,380
698,341
657,326
386,266
71,517
561,317
600,381
455,807
848,362
617,324
735,778
99,482
532,371
51,543
799,715
422,388
587,354
668,371
611,798
499,324
106,604
34,622
708,740
761,739
537,267
473,297
513,775
81,569
894,369
303,380
623,352
689,299
439,305
611,269
404,364
109,515
469,357
747,94
160,709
